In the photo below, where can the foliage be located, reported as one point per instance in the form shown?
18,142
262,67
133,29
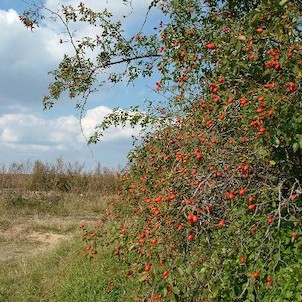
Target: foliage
210,208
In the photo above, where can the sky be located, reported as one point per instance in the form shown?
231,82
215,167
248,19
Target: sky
27,132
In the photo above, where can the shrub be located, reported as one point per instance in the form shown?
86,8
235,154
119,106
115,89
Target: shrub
217,192
210,207
71,177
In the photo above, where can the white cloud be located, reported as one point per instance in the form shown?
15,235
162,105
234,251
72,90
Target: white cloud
29,131
95,116
10,17
9,136
26,136
24,63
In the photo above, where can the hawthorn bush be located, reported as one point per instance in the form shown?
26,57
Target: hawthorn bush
210,205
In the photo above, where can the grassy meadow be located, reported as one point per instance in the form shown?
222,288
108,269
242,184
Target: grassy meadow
42,251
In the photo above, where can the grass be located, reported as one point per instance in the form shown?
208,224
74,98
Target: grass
63,274
41,251
22,203
36,278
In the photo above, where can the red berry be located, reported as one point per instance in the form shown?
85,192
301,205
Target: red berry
154,240
259,30
191,237
251,199
254,229
148,267
195,218
242,191
221,223
294,235
292,86
208,208
210,46
269,281
246,167
255,274
166,274
270,219
251,207
293,196
242,259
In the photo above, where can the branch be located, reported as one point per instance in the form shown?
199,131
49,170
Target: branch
131,59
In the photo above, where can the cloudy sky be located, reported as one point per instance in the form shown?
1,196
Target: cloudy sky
27,132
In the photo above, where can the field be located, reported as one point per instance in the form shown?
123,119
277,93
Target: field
41,251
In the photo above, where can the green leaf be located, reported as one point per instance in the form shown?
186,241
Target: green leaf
276,142
300,140
165,291
283,2
251,297
296,146
176,290
180,270
238,46
143,276
288,294
272,162
189,270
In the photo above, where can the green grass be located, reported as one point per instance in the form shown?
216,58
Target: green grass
58,273
64,275
35,278
33,269
16,203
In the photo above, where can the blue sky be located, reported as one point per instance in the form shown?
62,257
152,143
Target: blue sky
27,132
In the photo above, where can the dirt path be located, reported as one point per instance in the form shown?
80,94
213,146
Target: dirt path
21,237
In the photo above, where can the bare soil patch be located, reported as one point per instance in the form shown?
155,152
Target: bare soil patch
25,236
